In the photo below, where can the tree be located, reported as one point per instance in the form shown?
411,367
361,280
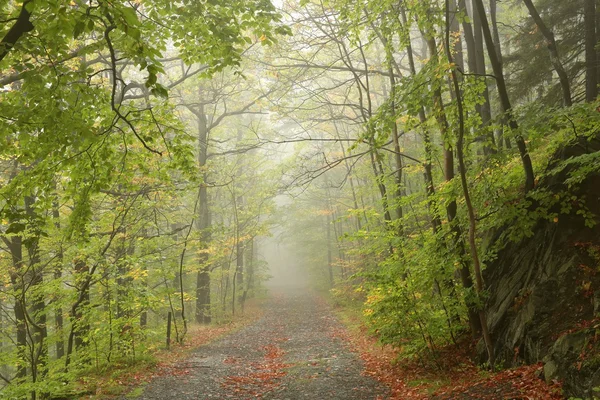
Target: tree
553,50
91,81
496,62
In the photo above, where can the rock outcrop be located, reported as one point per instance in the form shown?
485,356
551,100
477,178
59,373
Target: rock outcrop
544,295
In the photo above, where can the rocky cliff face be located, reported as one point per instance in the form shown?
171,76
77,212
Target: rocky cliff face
535,294
545,296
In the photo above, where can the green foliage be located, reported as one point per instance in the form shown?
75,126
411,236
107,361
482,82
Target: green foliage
409,281
409,302
114,194
100,178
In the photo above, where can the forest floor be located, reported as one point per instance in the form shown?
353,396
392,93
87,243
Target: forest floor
451,375
298,349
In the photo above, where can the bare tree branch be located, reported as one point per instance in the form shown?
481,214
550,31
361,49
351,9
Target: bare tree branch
21,27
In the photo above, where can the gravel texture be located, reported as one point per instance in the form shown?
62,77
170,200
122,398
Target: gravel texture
291,353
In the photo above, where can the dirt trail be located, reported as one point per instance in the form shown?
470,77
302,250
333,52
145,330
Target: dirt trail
291,353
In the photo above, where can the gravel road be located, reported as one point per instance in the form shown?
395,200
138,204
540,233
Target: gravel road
291,353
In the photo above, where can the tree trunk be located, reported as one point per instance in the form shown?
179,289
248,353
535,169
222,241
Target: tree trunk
329,252
203,277
203,314
377,167
436,222
477,60
476,63
496,62
58,312
145,291
451,208
16,279
495,32
21,26
591,67
440,116
238,199
37,312
469,34
553,50
397,155
352,185
126,250
80,327
249,276
239,268
338,230
498,47
463,180
250,254
597,38
238,280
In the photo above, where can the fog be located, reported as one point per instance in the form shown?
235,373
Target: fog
282,264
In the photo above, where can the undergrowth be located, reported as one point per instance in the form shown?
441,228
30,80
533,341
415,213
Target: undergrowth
129,379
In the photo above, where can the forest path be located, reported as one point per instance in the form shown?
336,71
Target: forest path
291,352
